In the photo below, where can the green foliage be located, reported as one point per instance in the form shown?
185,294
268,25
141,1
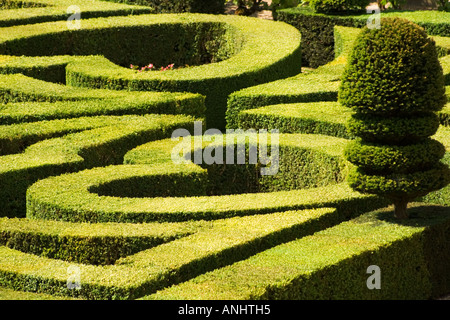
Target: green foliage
147,271
394,130
394,72
249,7
320,85
338,6
317,28
409,60
27,99
50,10
317,36
395,4
283,4
179,6
326,117
98,244
338,258
243,46
443,5
135,223
445,63
344,38
104,142
12,4
321,166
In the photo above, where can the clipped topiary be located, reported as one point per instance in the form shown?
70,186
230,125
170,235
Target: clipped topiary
338,6
395,85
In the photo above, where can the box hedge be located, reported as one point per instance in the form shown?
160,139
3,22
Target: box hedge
317,28
29,12
178,6
241,50
145,272
87,243
305,101
320,85
106,143
114,203
191,222
333,264
27,99
326,117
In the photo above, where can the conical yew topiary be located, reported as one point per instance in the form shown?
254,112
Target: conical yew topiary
395,85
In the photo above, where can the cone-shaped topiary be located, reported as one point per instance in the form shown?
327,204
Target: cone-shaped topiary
395,84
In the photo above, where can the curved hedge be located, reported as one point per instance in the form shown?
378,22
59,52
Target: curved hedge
317,28
45,122
135,274
88,243
16,12
323,117
242,50
104,141
174,6
319,85
308,102
338,257
147,271
113,202
26,99
375,158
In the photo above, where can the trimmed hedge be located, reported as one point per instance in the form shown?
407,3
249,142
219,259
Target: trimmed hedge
145,272
317,28
115,181
445,63
26,99
328,118
339,6
344,40
88,243
319,85
442,196
278,103
333,263
105,144
241,47
178,6
29,12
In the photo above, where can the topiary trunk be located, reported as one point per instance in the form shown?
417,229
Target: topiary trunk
401,209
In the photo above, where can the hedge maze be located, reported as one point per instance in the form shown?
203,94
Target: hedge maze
88,180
